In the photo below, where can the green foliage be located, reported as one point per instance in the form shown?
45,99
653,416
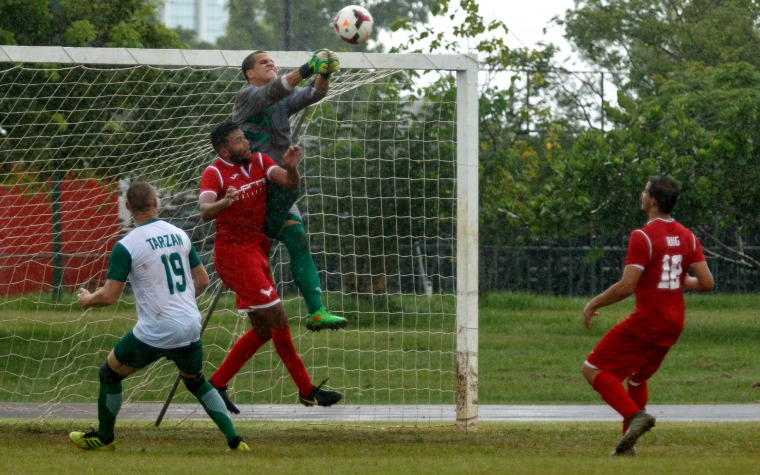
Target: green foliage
25,22
388,179
80,33
686,106
514,161
650,39
127,23
700,128
107,129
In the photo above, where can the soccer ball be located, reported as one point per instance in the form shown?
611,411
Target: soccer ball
353,24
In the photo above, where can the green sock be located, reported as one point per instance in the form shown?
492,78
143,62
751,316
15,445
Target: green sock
302,265
216,410
109,404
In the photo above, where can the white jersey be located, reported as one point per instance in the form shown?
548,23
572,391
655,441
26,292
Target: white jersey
157,258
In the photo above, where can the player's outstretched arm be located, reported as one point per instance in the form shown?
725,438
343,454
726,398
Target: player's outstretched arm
104,296
615,293
288,177
319,63
211,208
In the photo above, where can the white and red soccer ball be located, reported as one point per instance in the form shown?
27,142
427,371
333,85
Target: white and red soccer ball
353,24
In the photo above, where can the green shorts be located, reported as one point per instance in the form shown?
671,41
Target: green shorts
134,353
280,201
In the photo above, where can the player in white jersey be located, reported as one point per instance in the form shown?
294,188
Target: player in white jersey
166,274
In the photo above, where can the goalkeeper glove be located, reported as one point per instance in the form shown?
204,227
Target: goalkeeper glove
319,62
333,64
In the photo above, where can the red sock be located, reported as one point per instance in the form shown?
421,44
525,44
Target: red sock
613,394
283,343
639,394
242,351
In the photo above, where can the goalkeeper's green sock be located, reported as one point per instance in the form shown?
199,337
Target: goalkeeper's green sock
109,405
215,408
302,265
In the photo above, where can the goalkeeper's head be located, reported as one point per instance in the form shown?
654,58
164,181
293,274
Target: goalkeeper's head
259,68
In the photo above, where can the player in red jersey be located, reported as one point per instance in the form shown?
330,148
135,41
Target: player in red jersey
233,192
657,263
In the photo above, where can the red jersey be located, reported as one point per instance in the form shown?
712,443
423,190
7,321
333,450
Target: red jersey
243,221
665,250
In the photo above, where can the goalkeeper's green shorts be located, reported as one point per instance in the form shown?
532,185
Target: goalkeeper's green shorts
280,208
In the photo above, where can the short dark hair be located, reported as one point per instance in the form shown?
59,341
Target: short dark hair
220,133
665,190
140,196
250,61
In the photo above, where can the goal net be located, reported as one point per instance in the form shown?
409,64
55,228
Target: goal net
390,203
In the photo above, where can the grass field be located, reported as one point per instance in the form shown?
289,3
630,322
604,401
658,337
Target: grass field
531,349
280,448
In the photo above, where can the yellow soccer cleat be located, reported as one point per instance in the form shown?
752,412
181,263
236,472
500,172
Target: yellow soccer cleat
90,441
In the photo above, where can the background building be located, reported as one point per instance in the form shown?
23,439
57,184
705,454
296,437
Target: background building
206,17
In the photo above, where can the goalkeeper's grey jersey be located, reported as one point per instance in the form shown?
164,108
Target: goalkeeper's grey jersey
157,258
263,113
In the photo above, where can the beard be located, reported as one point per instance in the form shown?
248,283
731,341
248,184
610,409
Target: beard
241,157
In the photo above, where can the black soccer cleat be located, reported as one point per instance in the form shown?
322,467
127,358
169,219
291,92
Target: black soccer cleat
227,401
320,397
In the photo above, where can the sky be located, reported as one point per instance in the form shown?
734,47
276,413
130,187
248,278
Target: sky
526,20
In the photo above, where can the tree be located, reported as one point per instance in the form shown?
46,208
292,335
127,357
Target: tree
126,23
52,109
687,106
25,22
701,128
650,39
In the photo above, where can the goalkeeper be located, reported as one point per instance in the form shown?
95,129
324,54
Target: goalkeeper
262,109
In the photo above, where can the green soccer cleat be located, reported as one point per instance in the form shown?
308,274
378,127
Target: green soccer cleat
639,425
320,397
90,441
322,319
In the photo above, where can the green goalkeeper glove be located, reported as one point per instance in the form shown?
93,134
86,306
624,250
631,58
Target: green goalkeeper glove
333,64
319,62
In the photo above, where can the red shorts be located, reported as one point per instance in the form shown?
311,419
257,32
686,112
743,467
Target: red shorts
626,355
245,269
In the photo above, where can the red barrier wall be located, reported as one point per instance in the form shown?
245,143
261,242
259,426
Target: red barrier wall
89,229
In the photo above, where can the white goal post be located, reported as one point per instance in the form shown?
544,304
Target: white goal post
390,198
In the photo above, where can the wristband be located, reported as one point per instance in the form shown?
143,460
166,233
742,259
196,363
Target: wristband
304,71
